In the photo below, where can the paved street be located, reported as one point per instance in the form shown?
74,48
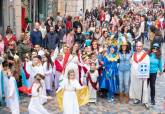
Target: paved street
103,107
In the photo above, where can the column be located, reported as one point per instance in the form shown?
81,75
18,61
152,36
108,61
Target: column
17,7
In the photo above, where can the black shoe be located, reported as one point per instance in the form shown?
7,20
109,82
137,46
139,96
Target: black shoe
153,102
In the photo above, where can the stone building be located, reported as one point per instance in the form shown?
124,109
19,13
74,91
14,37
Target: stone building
14,12
10,15
72,7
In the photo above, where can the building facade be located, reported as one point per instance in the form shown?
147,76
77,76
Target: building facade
10,11
14,12
72,7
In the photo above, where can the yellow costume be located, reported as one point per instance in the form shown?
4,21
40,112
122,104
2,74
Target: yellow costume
82,96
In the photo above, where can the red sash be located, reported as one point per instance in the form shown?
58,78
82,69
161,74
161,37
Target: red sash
58,65
142,57
89,79
66,57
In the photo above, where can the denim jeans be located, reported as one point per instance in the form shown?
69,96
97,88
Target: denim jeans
124,81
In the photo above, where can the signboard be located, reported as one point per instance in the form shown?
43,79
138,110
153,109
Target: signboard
143,70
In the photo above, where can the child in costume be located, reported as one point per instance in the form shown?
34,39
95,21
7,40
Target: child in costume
48,70
95,60
88,40
12,95
35,106
4,84
102,71
70,99
58,67
36,68
27,66
92,77
84,68
111,72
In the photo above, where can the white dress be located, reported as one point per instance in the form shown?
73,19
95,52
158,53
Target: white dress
28,66
33,71
35,106
48,76
93,91
14,100
38,70
136,83
6,82
72,64
70,102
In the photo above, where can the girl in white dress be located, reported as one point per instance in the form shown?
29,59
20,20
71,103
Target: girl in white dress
37,68
35,106
70,101
13,95
48,70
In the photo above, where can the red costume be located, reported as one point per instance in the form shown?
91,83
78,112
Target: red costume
6,41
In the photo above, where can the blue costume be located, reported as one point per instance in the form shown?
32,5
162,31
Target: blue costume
24,80
111,74
2,89
110,79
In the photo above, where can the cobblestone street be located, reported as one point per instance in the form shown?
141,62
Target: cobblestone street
103,107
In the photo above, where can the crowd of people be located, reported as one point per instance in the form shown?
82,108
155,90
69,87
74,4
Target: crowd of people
101,49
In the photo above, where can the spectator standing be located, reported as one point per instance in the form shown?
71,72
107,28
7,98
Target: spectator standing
52,39
36,35
24,46
156,64
9,36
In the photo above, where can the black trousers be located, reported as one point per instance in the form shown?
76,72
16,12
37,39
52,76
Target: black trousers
152,81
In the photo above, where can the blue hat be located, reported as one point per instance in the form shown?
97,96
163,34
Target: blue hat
87,33
156,45
114,47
